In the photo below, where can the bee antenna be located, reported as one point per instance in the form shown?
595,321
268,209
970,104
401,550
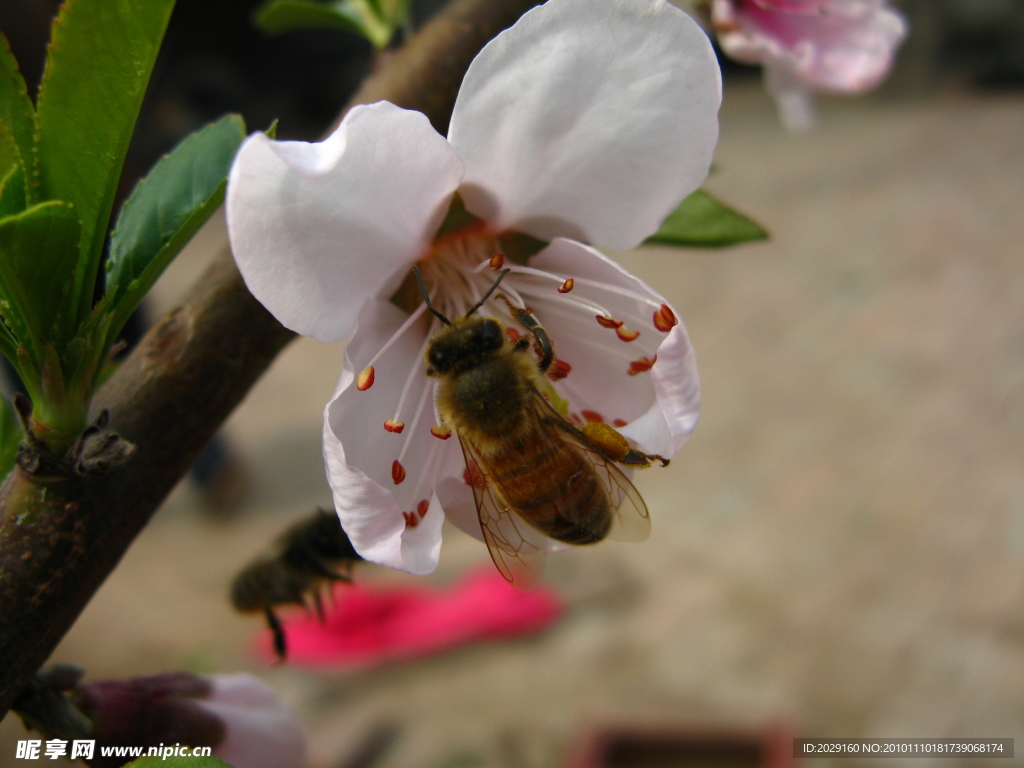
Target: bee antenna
426,296
490,290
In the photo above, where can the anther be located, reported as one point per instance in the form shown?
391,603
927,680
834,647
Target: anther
591,416
365,378
472,476
619,423
665,319
391,425
625,335
641,365
441,433
559,370
513,335
422,507
566,286
497,261
608,322
397,472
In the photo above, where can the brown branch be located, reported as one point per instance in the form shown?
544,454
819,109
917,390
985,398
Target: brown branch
61,538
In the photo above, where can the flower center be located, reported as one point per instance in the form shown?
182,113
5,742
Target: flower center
457,269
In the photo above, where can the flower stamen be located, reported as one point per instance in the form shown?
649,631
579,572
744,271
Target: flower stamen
641,365
665,319
414,315
627,335
559,370
365,379
397,472
390,425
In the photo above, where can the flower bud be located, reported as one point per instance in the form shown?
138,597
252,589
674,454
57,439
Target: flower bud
239,716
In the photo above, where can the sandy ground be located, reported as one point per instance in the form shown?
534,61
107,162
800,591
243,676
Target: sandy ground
840,546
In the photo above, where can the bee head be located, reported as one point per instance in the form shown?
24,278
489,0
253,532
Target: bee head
464,344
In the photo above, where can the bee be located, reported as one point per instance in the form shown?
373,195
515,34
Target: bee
309,556
538,479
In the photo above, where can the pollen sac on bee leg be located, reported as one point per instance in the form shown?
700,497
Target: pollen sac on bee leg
606,438
616,447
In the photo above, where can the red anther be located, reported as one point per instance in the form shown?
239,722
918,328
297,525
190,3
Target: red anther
513,335
422,507
397,472
497,261
665,319
625,335
566,286
641,365
559,370
608,322
619,422
592,416
441,433
365,378
391,425
473,477
411,521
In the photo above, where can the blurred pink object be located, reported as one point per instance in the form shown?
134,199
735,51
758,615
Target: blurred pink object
843,46
239,716
367,626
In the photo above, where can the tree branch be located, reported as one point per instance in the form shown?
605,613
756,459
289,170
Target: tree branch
60,538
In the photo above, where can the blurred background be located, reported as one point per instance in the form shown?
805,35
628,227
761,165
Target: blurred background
839,549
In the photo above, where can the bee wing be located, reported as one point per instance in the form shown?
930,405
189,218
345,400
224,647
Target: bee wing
518,551
631,520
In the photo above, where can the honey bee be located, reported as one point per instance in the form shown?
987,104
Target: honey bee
308,557
537,478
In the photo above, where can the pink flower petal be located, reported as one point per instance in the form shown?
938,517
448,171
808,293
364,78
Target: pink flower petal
588,120
661,404
261,732
360,454
316,228
366,626
839,45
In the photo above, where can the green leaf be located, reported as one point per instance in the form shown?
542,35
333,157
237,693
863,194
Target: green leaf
701,221
166,209
10,436
38,252
12,198
278,16
178,762
101,56
17,112
12,192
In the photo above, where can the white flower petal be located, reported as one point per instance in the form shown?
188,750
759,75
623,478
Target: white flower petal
360,454
317,228
260,730
661,405
590,120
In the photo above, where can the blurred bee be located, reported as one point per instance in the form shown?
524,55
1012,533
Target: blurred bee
536,477
308,557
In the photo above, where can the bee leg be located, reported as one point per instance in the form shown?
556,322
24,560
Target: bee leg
635,458
612,444
277,630
540,336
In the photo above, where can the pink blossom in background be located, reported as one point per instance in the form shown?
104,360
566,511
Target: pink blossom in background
240,716
367,626
842,46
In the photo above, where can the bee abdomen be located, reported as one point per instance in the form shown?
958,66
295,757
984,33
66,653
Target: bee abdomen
558,493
